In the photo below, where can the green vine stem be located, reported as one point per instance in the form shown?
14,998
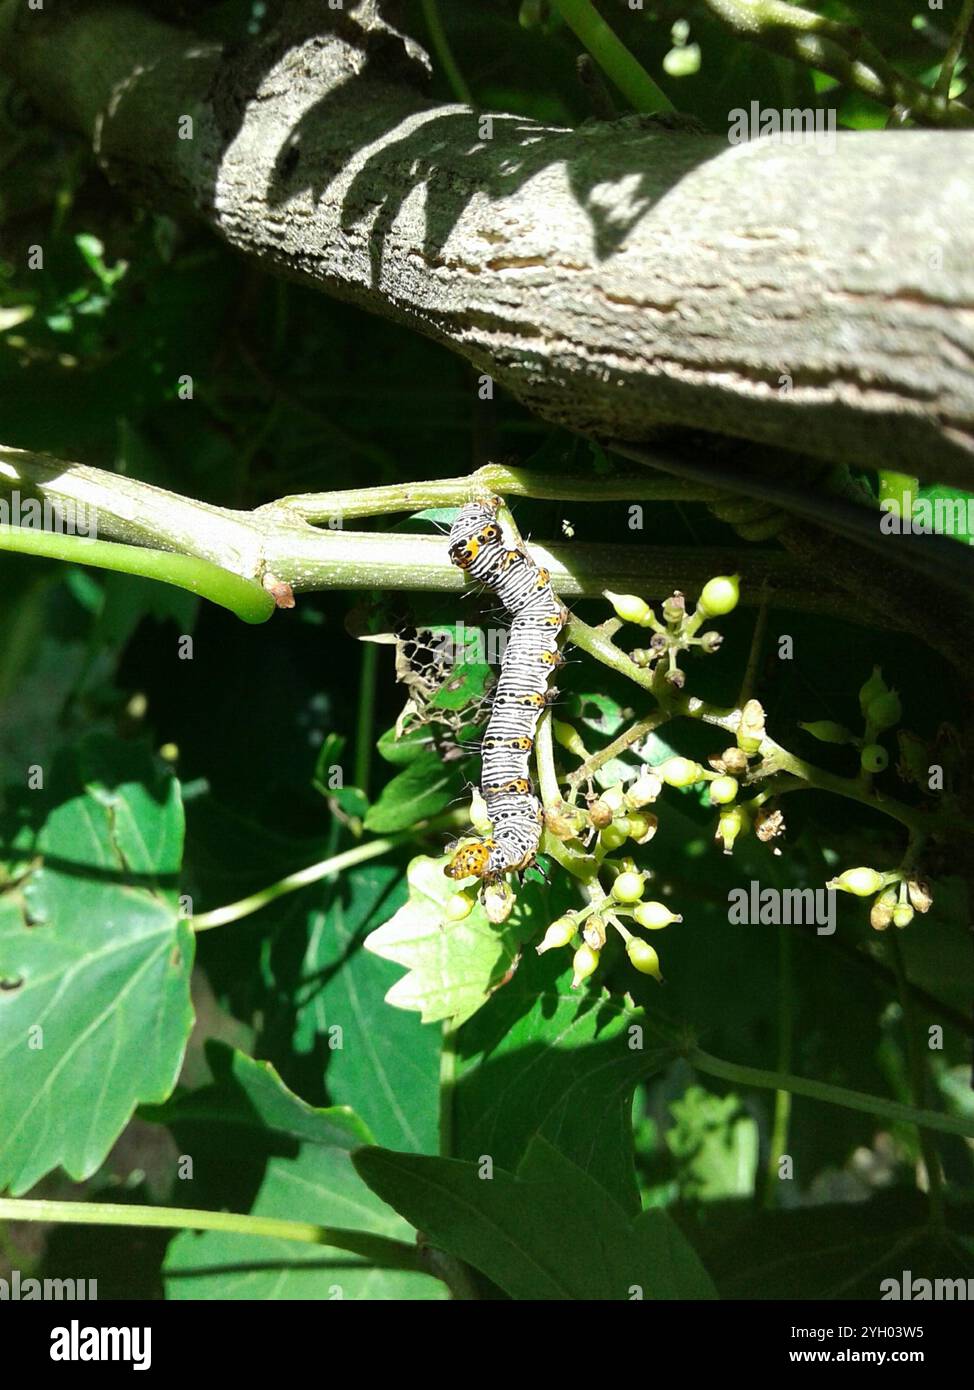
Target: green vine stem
613,57
892,1110
842,51
639,730
381,1251
248,600
918,1084
493,478
443,51
276,540
802,775
545,752
946,75
778,1145
314,873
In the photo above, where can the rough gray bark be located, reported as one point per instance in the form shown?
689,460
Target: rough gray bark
616,278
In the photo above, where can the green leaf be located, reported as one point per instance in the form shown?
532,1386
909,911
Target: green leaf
453,966
420,791
543,1059
840,1251
95,1011
513,1227
383,1060
406,749
714,1142
290,1161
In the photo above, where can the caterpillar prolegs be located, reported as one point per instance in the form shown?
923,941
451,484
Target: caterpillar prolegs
478,546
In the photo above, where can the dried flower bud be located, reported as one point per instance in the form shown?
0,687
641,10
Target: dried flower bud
675,608
734,760
920,894
498,902
593,932
644,790
881,912
769,824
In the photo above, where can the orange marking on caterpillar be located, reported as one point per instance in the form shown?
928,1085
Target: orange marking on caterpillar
470,861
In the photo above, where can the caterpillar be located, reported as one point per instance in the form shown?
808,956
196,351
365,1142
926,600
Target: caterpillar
479,547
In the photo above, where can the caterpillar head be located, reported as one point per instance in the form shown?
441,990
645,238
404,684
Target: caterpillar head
470,861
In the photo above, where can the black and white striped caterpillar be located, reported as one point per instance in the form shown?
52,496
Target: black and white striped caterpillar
479,547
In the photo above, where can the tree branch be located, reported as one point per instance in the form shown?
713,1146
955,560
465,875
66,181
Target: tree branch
614,278
275,540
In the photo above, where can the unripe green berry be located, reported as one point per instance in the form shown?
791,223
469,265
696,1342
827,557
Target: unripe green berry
569,738
732,821
680,772
827,731
628,888
630,608
874,758
614,836
723,790
885,711
720,595
614,797
654,915
642,826
460,905
584,963
643,957
863,882
559,934
873,688
479,818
